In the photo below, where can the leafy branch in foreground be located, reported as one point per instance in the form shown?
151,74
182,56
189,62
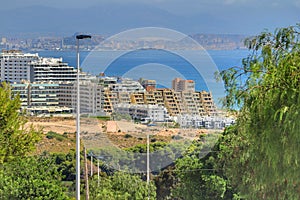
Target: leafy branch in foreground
262,150
15,139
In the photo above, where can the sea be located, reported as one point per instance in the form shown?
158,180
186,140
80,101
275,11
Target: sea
160,65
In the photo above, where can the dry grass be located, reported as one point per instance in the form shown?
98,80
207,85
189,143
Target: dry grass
55,146
96,133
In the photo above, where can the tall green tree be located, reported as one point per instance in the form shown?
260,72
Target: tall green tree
15,139
261,154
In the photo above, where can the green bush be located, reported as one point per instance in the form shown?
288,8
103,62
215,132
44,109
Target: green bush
104,118
52,134
127,136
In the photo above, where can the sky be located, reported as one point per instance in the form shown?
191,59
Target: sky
109,17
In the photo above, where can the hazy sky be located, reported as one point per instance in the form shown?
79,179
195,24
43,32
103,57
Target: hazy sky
189,16
177,6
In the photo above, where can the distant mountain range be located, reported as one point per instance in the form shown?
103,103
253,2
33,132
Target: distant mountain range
206,41
220,41
109,19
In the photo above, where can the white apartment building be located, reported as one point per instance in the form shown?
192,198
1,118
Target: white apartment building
126,85
210,122
15,65
91,96
66,94
51,69
22,90
39,98
150,113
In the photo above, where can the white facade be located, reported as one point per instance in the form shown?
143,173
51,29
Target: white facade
209,122
150,113
23,92
126,85
39,98
66,94
91,96
51,69
15,65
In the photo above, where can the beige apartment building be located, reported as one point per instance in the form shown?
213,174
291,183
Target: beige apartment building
102,96
185,102
180,85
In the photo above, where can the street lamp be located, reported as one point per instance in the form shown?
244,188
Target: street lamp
148,165
78,37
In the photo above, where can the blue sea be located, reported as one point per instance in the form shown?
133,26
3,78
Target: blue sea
160,65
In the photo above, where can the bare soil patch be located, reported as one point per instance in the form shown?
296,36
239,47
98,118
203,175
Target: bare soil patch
98,134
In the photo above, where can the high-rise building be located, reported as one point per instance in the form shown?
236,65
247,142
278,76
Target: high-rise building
15,65
180,85
51,69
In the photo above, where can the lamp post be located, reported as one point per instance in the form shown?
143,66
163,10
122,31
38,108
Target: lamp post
91,154
78,37
148,165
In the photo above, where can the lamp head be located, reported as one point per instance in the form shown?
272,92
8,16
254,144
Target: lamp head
80,37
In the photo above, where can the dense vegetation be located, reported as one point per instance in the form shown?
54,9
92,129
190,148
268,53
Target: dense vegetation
121,185
257,158
31,178
15,139
260,154
22,176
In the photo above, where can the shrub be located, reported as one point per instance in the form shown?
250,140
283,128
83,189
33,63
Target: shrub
52,134
127,136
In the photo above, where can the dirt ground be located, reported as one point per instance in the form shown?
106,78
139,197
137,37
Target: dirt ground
58,125
97,134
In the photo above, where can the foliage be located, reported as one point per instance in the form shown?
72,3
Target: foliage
119,116
177,137
161,154
66,165
165,182
260,154
15,139
30,178
198,175
103,118
59,137
142,148
121,186
127,136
